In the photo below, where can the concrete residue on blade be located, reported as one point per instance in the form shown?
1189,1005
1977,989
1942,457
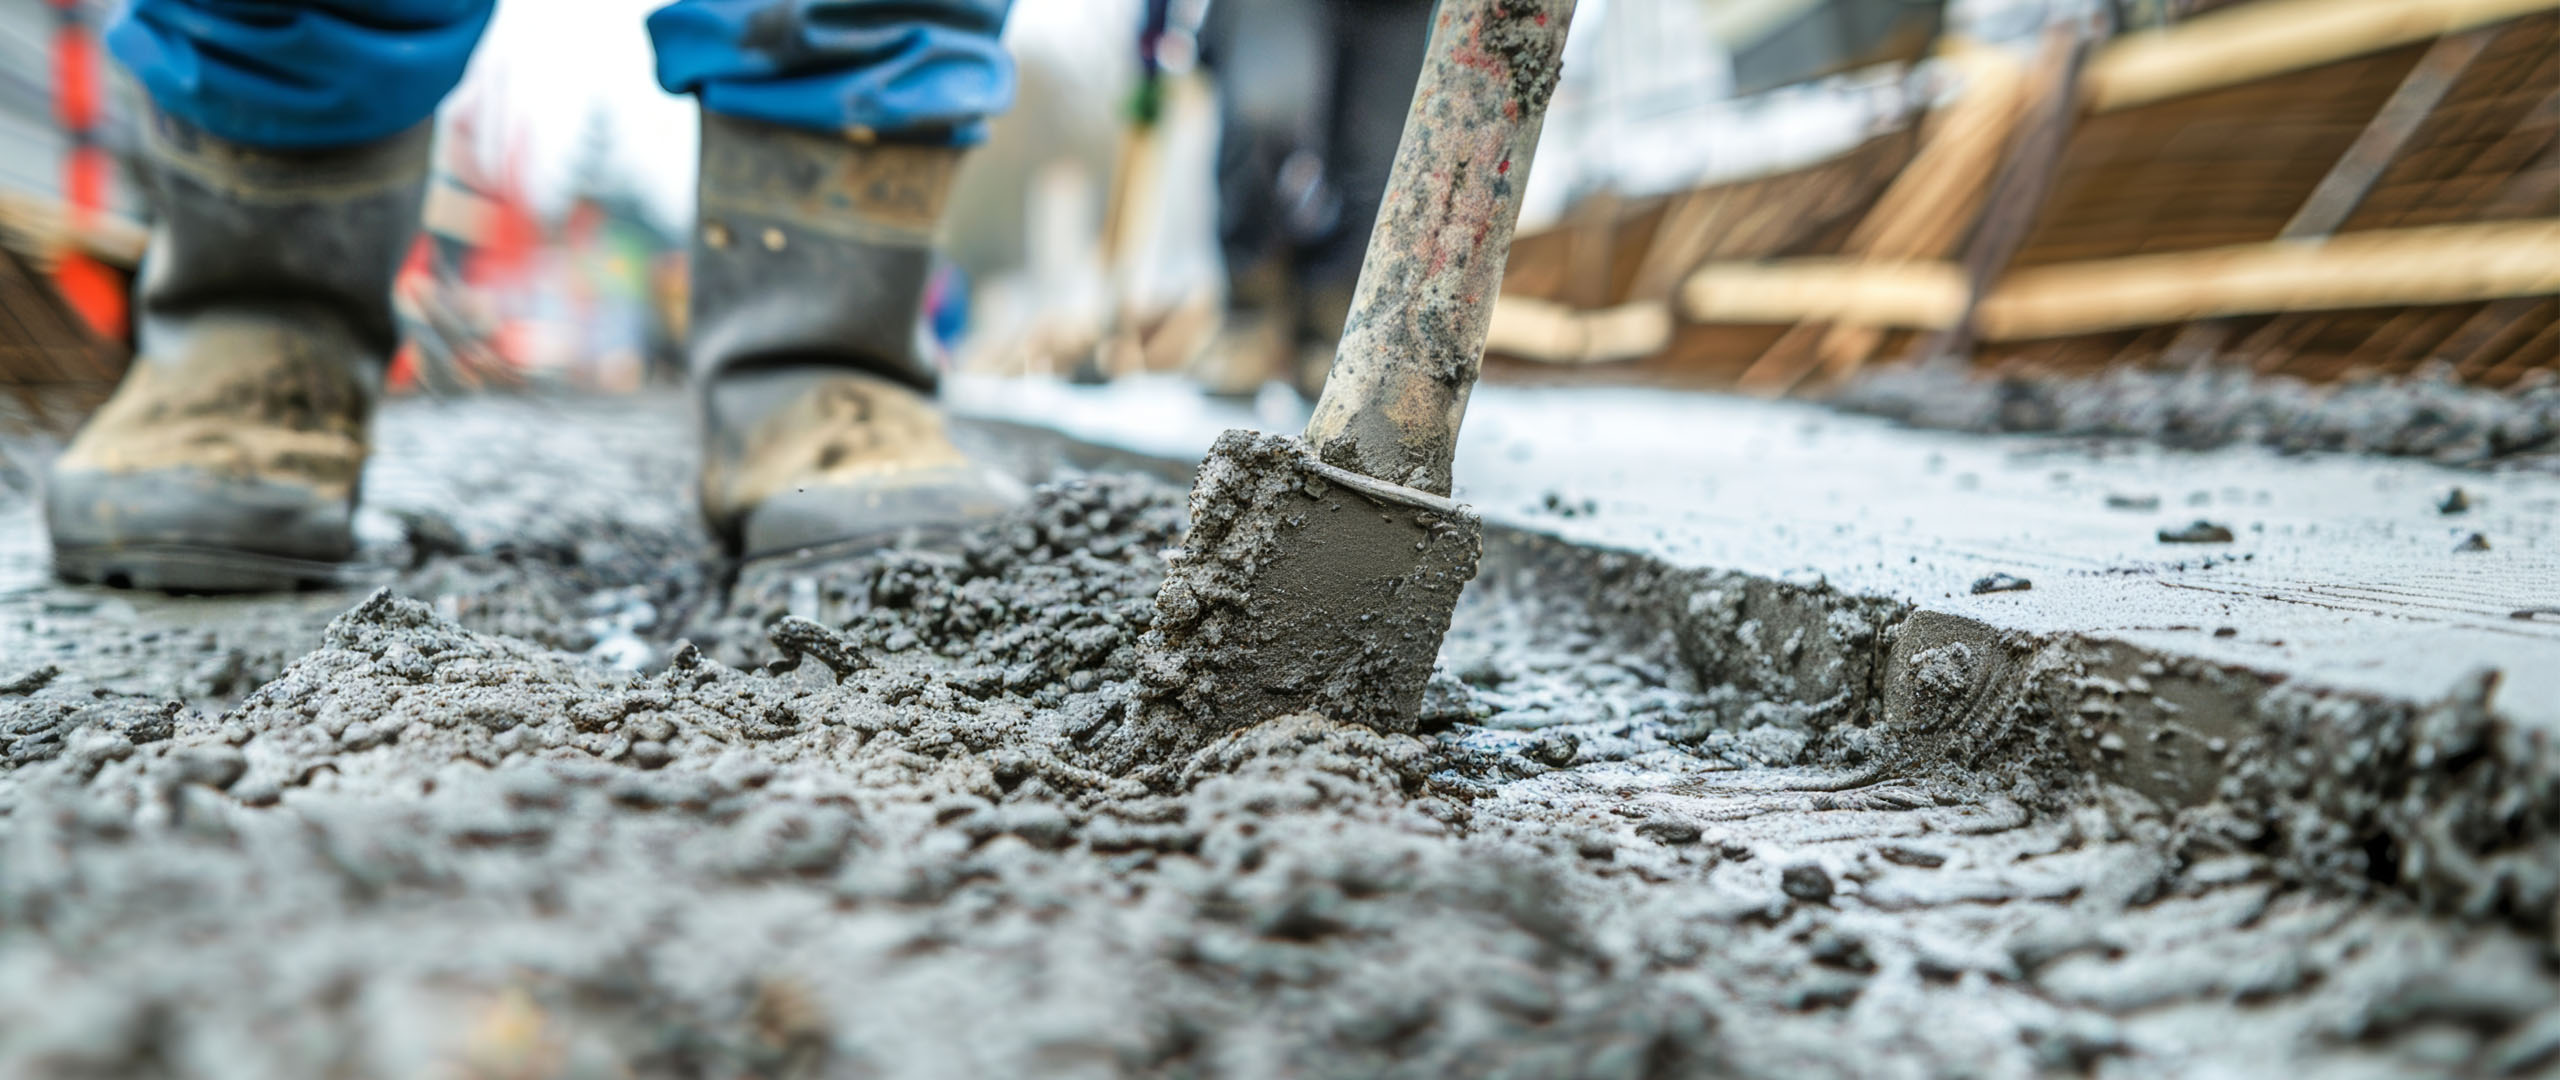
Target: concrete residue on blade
1302,588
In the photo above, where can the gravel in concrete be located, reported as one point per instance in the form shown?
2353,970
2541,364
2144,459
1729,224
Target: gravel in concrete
564,800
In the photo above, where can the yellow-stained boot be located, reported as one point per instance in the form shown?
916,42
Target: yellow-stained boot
809,270
231,456
1257,338
799,459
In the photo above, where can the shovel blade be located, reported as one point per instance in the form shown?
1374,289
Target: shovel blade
1303,587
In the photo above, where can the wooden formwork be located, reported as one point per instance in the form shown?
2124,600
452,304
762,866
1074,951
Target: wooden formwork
2308,187
2447,147
1598,289
53,367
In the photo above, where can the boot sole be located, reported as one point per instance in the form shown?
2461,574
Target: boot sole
178,568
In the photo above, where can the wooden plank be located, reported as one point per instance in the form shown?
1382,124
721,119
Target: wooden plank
40,228
2444,264
2219,168
2410,337
1554,333
2344,188
1786,360
2468,347
2485,354
1927,210
2496,122
1675,246
2276,344
45,347
2197,345
2534,190
1932,203
1591,238
2272,37
1779,214
2018,196
2349,179
1833,289
2541,353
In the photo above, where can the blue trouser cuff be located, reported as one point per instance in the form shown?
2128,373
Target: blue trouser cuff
925,70
298,74
313,74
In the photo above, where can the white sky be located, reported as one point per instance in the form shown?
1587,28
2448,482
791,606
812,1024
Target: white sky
556,61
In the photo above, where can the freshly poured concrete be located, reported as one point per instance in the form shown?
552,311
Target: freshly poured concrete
2343,573
549,807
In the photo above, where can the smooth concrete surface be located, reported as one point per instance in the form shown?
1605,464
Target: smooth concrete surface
2343,571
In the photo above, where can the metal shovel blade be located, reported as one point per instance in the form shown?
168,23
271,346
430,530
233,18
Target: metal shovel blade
1305,588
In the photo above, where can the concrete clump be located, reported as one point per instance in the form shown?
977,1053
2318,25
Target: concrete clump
2198,531
2429,413
1301,586
1048,601
934,847
511,791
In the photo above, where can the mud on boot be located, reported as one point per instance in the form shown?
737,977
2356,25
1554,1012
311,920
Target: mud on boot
1273,330
811,457
809,270
1257,338
231,456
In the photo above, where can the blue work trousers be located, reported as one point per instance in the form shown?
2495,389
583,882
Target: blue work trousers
309,74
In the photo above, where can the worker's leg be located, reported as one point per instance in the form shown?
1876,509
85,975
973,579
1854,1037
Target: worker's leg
1273,61
1378,47
298,74
831,131
286,150
1375,57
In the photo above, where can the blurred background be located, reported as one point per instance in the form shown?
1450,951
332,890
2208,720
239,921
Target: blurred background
1778,196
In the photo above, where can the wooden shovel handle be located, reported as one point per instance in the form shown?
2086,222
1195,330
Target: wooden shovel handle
1415,338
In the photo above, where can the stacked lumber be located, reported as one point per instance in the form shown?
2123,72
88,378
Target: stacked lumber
2383,204
2309,187
39,228
52,365
1599,289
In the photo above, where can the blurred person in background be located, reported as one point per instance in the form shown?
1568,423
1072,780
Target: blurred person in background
287,151
1312,97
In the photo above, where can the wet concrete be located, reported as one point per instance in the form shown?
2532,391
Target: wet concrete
2429,413
2343,571
1303,587
565,802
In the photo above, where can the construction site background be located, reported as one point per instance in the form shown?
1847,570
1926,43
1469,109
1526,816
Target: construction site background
1770,195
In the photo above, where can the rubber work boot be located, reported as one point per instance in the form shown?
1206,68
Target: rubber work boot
1323,308
808,349
1257,336
230,457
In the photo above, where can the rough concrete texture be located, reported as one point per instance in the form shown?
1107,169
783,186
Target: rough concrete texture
2429,414
2344,572
864,819
1301,587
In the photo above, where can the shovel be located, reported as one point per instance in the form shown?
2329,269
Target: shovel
1320,572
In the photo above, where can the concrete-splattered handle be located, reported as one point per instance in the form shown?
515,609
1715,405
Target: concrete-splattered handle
1415,338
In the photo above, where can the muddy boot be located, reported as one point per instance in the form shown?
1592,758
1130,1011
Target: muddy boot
1257,338
1322,310
809,272
230,457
